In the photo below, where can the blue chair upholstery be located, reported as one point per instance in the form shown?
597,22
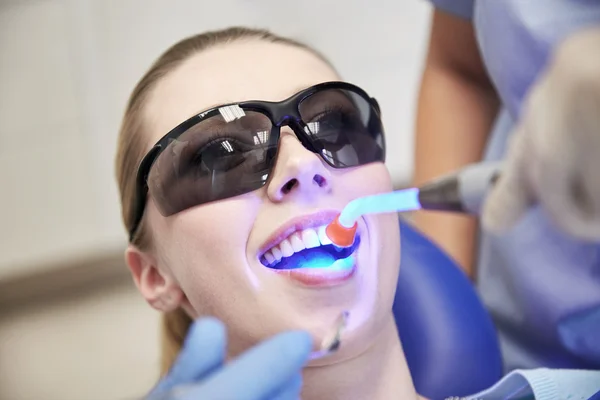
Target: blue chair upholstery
595,397
448,337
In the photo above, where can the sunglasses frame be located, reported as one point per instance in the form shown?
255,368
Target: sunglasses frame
281,113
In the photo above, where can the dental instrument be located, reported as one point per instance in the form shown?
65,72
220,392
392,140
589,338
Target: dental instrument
462,191
332,341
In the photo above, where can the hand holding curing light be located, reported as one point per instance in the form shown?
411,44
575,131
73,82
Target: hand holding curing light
462,191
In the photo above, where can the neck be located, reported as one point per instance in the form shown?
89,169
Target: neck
379,373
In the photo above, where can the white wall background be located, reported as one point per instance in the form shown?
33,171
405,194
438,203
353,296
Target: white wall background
66,69
95,345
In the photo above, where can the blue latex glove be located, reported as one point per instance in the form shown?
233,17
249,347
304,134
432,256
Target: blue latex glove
269,371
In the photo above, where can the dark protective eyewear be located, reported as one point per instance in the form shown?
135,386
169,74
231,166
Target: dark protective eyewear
231,149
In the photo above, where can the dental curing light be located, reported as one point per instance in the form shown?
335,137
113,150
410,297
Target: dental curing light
460,192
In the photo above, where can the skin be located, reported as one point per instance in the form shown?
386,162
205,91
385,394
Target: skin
456,109
205,259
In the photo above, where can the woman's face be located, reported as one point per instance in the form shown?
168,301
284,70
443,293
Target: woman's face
208,258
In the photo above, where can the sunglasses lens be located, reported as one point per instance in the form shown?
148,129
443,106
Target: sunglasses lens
344,127
228,154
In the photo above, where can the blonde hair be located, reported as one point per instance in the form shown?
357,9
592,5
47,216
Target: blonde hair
131,149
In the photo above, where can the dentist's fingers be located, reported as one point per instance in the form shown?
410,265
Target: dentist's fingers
202,354
291,390
571,196
261,373
567,182
511,196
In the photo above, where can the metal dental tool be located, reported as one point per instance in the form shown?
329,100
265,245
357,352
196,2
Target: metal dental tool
332,341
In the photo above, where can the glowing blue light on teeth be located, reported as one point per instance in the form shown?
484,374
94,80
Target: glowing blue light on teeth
397,201
319,261
325,262
343,264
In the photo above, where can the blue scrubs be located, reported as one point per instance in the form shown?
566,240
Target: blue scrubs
541,286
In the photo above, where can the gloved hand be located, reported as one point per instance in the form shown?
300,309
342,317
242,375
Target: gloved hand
271,370
554,154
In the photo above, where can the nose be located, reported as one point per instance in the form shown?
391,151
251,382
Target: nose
298,171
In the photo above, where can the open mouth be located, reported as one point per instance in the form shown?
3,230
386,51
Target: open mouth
308,248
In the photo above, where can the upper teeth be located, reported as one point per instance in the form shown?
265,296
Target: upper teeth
298,241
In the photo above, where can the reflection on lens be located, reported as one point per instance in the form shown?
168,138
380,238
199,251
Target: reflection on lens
343,127
225,155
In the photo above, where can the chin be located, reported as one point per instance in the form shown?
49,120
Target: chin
356,338
369,309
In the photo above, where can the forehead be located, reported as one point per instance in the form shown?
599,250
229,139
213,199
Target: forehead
238,71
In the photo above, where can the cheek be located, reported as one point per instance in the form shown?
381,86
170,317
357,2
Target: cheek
363,181
204,248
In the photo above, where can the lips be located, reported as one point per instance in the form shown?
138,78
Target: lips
301,250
